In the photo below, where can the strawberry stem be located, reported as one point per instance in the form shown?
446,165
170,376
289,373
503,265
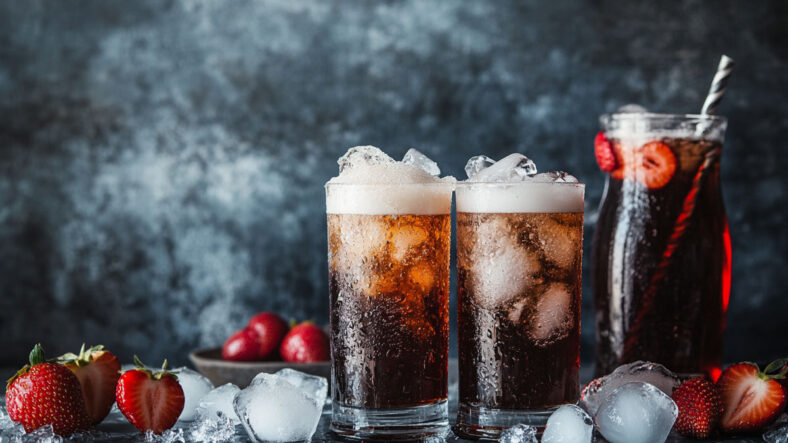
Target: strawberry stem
37,355
777,369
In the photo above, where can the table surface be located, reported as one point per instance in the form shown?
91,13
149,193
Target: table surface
124,432
116,429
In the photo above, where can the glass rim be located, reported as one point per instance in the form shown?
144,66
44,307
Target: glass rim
389,185
661,116
466,184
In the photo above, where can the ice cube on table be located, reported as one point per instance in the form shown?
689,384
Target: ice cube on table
416,158
274,408
212,428
777,434
653,373
636,412
512,168
174,435
311,384
44,434
219,403
631,108
195,386
476,164
363,156
519,434
440,437
9,429
568,424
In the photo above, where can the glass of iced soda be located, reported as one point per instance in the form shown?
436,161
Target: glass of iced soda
389,237
519,255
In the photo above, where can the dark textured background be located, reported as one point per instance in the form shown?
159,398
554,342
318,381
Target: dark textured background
161,163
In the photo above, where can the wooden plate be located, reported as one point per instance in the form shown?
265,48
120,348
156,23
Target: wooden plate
209,363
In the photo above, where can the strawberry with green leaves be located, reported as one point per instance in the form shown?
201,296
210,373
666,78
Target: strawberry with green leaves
150,400
44,393
752,398
98,372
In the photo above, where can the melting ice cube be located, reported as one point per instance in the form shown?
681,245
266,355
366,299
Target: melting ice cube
195,386
174,435
44,434
313,385
568,424
636,412
416,158
219,403
554,177
512,168
653,373
778,434
476,164
273,408
553,317
363,155
212,428
519,434
502,268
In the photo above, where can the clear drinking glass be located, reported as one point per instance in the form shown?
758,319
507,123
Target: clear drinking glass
388,254
519,261
661,249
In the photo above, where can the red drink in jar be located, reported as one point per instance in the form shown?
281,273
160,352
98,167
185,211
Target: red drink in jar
661,249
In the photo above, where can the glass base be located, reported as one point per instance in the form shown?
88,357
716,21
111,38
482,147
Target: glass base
416,423
477,422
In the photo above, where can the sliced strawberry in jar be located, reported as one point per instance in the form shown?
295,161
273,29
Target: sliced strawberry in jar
603,150
655,164
624,162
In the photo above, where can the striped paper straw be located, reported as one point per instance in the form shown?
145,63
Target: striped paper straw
718,85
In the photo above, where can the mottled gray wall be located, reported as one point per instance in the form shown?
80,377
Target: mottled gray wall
161,163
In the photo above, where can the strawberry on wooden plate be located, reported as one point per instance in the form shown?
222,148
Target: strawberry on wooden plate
752,398
271,329
98,372
43,393
700,408
305,343
150,400
243,345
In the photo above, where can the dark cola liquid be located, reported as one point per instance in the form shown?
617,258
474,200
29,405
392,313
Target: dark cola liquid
519,296
662,265
389,286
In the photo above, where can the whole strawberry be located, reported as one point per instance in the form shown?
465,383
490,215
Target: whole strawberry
98,372
243,345
150,400
752,398
271,330
44,393
700,408
305,343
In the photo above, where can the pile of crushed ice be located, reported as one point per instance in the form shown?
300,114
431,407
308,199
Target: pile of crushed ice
382,185
285,406
632,404
512,168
